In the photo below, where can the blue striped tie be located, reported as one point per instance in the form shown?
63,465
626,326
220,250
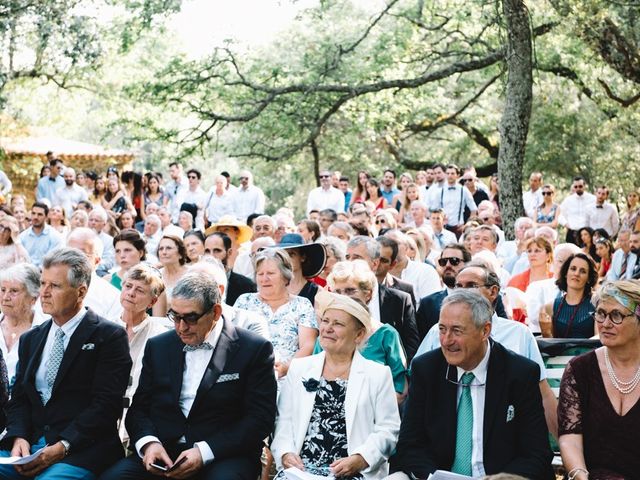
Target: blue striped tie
464,429
53,364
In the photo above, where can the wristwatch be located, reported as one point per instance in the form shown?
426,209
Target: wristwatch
66,445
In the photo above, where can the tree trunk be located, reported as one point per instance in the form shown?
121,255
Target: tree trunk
514,125
316,161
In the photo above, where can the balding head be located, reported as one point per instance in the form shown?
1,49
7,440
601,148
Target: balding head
86,240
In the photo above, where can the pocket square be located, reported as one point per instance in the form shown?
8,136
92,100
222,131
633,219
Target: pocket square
88,346
511,412
228,377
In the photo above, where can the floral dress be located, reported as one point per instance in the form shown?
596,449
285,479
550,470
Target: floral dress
326,439
283,323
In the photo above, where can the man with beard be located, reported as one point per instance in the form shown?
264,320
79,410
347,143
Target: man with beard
71,194
452,260
574,209
218,245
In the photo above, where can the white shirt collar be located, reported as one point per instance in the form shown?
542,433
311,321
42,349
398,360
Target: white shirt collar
480,372
70,326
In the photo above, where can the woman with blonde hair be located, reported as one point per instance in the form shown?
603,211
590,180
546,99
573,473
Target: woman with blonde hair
399,199
57,218
410,193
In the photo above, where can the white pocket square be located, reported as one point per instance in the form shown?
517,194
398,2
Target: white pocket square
88,346
511,412
228,377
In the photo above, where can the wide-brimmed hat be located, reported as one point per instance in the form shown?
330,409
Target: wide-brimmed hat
332,301
315,254
244,231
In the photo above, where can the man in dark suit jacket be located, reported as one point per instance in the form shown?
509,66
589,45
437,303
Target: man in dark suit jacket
72,374
218,245
206,397
503,392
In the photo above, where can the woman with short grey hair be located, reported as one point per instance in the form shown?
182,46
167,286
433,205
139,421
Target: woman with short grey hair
292,320
19,290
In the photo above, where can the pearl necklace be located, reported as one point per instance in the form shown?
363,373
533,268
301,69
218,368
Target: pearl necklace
624,388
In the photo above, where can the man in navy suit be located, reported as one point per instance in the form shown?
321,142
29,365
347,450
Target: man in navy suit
474,407
207,394
72,374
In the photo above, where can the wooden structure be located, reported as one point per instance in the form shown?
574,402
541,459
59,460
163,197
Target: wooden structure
23,158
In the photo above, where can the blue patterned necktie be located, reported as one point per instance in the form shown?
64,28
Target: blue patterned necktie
193,348
53,364
464,429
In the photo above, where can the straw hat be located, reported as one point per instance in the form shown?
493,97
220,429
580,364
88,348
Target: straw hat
244,231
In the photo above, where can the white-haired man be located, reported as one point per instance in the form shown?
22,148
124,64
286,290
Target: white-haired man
97,221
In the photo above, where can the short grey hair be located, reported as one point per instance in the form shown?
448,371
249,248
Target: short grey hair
100,212
199,287
154,218
335,246
79,268
278,255
269,218
373,247
481,309
26,274
344,226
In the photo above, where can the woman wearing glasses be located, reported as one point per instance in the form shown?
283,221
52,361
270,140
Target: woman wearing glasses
599,411
548,211
570,314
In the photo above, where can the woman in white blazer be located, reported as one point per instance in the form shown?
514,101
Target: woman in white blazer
338,413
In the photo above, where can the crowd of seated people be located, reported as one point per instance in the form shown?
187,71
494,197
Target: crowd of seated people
154,328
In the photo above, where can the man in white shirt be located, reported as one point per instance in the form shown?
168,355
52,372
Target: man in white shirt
97,221
623,259
574,208
603,214
168,228
48,186
175,189
423,277
452,198
532,198
205,362
325,196
247,198
71,194
418,210
195,195
152,234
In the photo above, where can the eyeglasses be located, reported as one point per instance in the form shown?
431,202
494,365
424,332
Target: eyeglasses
471,285
381,221
189,318
347,291
466,180
454,261
192,177
324,176
460,384
615,316
547,194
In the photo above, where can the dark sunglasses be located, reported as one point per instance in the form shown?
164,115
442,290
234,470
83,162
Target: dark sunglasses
547,193
454,261
193,177
189,318
382,220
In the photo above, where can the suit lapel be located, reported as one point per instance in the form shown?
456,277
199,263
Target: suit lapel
227,345
449,403
494,390
84,330
176,367
356,381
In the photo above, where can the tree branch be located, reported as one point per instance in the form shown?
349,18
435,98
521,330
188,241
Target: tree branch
624,102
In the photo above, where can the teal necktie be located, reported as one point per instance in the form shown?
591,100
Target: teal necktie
464,429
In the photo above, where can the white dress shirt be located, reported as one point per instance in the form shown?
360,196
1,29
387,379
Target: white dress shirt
573,210
68,197
248,201
321,199
199,198
478,393
452,199
195,365
219,205
444,238
68,328
374,304
604,216
176,191
423,277
616,265
531,200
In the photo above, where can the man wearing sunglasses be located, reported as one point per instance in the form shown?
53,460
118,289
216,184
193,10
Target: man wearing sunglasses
207,394
325,196
452,259
474,406
574,208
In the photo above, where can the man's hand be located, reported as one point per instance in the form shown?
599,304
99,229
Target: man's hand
292,460
348,466
50,455
154,452
190,466
21,448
